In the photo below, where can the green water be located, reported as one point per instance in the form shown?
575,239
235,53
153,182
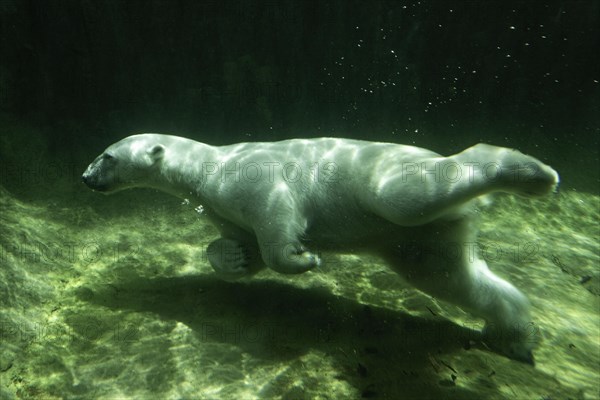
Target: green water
113,298
126,306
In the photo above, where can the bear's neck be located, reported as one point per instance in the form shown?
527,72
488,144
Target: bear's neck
185,169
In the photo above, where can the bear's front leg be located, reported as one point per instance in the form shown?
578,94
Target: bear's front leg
229,258
278,228
285,256
289,258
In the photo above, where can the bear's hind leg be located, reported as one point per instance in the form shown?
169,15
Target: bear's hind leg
418,193
463,279
499,168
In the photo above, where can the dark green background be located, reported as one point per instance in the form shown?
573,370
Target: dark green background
438,74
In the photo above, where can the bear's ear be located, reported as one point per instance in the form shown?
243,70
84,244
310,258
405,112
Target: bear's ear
156,152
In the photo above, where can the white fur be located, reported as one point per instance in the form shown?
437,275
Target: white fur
278,204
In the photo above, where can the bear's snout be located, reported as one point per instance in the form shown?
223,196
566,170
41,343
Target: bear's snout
92,183
87,178
89,182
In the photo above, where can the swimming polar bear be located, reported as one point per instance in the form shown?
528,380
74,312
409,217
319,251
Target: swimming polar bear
278,204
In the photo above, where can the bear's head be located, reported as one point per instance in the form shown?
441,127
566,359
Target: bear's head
131,162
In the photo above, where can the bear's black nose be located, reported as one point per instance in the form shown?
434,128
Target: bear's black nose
84,179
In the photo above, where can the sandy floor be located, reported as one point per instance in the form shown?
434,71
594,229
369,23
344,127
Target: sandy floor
111,301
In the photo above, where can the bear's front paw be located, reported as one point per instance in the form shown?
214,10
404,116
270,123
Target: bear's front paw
310,259
292,260
228,258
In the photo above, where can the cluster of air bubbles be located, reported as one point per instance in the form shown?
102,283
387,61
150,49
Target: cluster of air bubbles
454,82
199,209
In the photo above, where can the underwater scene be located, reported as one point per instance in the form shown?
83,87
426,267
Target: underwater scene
298,200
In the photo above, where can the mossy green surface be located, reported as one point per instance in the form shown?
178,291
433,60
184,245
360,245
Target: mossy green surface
123,304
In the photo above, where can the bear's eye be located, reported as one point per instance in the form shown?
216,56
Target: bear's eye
107,156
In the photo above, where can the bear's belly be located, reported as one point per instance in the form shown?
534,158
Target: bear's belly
353,232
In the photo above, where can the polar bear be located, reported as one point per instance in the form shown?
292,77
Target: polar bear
279,204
